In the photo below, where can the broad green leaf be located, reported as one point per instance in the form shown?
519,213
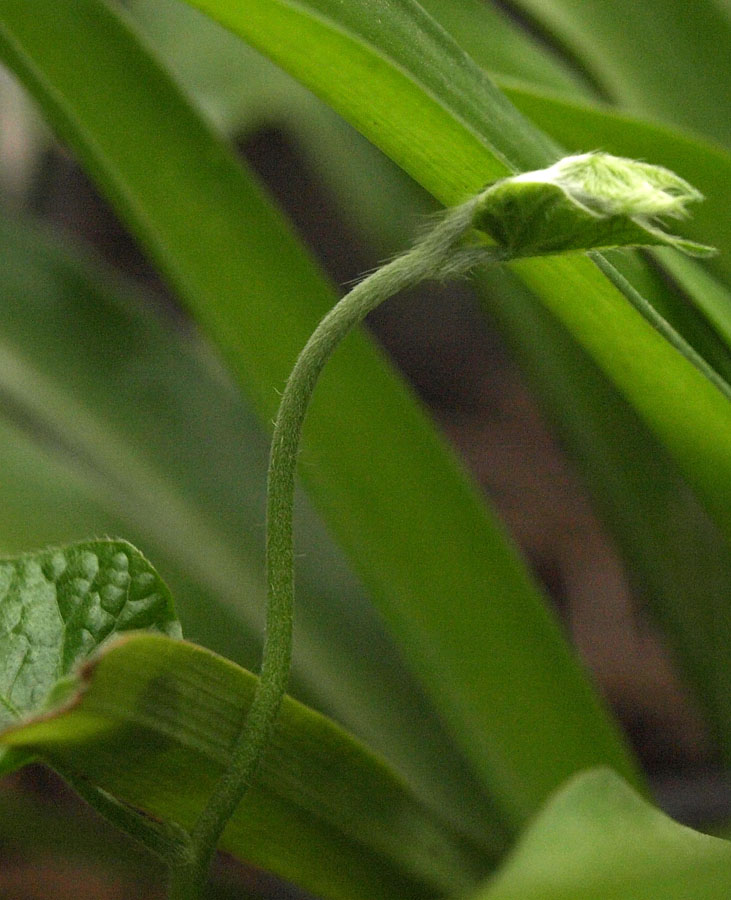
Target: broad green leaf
453,590
237,87
675,68
242,91
460,133
153,723
418,84
59,605
145,437
597,838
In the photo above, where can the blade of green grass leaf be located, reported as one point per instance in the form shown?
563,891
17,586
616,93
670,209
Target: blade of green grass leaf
596,838
676,558
682,306
243,91
401,53
153,722
235,84
419,85
711,297
631,478
173,441
675,67
452,588
497,42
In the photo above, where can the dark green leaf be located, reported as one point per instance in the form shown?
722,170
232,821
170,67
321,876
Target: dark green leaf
709,296
674,68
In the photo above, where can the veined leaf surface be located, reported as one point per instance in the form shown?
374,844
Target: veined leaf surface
58,605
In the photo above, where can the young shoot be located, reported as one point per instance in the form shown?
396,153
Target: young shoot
586,202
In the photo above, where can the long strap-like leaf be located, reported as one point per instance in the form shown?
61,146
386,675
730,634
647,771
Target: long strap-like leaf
438,115
451,587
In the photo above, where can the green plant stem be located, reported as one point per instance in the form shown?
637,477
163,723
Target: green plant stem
441,253
437,255
648,311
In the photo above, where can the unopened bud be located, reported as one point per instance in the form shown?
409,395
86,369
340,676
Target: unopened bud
587,202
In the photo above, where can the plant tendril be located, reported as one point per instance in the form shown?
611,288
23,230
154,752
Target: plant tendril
590,201
438,254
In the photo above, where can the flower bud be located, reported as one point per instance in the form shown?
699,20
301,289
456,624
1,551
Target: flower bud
587,202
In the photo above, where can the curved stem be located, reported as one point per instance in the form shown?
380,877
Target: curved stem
437,254
440,253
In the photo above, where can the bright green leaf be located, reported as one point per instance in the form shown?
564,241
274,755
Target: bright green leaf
677,561
596,838
153,723
675,67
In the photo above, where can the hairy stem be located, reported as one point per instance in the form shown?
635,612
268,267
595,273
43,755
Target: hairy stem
438,254
441,253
